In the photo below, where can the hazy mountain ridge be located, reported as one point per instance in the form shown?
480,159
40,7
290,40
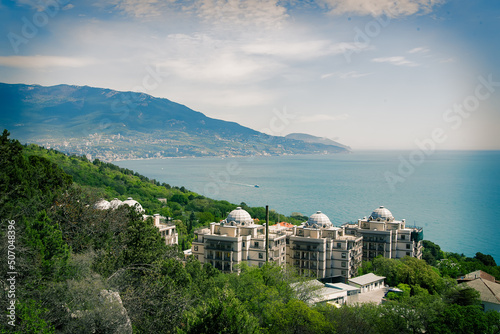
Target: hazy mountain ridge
313,139
112,125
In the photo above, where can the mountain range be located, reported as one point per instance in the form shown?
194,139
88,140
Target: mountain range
112,125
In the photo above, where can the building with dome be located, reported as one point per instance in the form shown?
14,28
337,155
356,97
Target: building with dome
116,203
386,236
319,248
167,230
238,239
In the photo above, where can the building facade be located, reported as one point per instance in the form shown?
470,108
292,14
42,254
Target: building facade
238,239
383,235
167,230
318,248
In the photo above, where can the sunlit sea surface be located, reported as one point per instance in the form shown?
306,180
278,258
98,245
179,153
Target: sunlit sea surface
453,195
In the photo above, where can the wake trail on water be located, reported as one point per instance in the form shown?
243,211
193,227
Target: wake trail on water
243,184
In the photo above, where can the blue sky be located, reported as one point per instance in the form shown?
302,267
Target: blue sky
379,74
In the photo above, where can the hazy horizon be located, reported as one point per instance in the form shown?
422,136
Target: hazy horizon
378,75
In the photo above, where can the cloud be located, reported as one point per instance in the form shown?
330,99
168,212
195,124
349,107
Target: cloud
419,50
42,62
228,13
321,118
398,61
262,13
391,8
140,8
201,58
346,75
299,50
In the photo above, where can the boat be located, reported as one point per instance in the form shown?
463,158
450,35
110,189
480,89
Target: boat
256,186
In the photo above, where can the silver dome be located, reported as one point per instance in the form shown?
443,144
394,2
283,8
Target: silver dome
319,219
134,204
382,214
239,216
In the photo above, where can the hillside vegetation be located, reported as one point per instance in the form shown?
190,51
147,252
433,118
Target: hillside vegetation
71,258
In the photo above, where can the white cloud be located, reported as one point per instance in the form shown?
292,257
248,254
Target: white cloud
301,50
419,50
139,8
42,62
321,118
398,61
391,8
201,58
448,60
345,75
261,13
228,13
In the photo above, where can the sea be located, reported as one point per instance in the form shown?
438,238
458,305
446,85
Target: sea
453,195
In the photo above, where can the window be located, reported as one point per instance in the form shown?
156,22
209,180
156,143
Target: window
343,264
260,256
256,244
338,244
408,253
407,246
344,255
403,237
195,248
343,272
243,244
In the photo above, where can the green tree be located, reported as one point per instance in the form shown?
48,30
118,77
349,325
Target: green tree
46,239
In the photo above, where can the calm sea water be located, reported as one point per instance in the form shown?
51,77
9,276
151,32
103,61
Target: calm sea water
454,196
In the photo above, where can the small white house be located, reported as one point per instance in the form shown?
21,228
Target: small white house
368,282
351,291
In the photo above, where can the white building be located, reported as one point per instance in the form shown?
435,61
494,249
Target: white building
368,282
167,231
352,292
238,239
116,203
317,247
383,235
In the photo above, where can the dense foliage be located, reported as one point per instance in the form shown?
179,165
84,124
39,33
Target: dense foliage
73,261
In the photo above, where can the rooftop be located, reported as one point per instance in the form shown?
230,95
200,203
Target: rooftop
366,279
489,291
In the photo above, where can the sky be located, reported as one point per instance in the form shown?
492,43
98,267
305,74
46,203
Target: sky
381,74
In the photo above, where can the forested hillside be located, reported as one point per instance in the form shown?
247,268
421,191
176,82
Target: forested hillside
82,270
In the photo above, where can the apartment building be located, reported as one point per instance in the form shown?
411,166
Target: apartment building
237,239
384,235
320,249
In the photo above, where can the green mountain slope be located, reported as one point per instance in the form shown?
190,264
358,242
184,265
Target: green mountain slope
112,125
